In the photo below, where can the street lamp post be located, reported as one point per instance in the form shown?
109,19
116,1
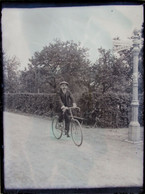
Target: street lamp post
134,126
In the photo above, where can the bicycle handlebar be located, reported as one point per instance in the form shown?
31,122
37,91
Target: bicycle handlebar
69,108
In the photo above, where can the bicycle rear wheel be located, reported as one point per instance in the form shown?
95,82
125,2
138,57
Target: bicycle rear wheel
76,132
56,129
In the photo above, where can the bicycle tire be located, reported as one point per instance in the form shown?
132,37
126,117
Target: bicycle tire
57,132
76,132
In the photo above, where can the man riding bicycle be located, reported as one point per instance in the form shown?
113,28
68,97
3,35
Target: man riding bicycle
66,100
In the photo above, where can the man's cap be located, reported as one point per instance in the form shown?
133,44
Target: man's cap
63,82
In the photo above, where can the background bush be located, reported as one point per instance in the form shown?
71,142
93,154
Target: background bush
39,104
108,111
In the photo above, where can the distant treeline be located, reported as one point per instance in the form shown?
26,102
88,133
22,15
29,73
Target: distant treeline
103,89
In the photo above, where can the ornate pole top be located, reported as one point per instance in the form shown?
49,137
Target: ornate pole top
136,39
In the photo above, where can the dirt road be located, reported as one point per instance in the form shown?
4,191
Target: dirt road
35,159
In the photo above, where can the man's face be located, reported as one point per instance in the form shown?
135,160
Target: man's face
64,87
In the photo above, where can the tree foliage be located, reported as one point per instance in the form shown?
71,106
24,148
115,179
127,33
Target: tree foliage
11,74
59,61
103,90
110,88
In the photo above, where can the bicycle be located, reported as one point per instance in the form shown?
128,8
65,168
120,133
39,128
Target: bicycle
75,128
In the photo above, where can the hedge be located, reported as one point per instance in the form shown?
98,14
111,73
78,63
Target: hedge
39,103
109,110
47,105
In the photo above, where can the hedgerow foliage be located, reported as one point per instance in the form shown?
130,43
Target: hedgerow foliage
110,112
38,104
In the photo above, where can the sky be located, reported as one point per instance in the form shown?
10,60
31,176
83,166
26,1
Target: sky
25,31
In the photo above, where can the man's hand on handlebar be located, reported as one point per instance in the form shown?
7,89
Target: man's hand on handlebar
74,105
64,108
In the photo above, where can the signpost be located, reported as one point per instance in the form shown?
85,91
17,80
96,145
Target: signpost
134,133
134,126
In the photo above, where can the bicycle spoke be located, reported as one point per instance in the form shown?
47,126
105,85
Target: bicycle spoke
76,133
56,129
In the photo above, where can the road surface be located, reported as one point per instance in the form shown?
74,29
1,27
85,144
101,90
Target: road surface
33,158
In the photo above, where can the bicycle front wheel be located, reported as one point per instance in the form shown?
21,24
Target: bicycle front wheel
57,131
76,132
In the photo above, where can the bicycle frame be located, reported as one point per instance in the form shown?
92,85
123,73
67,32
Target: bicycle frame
70,109
76,130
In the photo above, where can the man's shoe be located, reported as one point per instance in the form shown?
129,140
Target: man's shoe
65,132
68,135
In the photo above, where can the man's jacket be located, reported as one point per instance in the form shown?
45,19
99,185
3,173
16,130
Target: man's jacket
66,99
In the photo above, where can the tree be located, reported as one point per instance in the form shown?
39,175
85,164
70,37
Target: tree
111,73
11,74
141,79
110,87
27,81
58,61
